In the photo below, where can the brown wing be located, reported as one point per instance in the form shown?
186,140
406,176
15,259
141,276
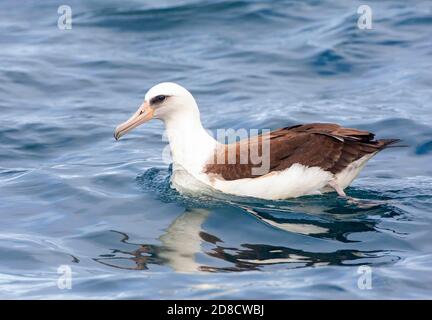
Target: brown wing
328,146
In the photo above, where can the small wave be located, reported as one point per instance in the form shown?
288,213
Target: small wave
175,16
157,180
330,62
424,148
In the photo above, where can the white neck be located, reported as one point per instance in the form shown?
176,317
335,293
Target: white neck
191,145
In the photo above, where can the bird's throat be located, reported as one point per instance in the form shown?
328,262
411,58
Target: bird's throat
191,145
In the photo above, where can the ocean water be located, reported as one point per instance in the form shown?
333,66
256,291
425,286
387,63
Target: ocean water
73,199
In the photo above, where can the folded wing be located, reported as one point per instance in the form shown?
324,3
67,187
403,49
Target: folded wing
328,146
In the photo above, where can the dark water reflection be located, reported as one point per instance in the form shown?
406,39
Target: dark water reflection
332,222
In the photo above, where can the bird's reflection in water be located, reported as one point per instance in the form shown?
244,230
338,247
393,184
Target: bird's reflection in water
180,243
185,238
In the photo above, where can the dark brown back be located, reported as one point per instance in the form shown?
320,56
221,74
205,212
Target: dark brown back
325,145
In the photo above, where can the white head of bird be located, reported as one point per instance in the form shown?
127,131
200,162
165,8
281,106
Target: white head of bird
190,143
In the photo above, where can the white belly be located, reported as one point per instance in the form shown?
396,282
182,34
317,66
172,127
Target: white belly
346,176
296,181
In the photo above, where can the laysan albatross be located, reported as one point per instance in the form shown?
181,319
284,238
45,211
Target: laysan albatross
302,159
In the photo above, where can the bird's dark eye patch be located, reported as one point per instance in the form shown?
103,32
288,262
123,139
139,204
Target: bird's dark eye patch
158,99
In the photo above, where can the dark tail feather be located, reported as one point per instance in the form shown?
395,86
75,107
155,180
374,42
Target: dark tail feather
389,143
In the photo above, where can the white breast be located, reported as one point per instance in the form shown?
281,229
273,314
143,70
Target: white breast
296,181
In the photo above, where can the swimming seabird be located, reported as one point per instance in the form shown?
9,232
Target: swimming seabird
302,160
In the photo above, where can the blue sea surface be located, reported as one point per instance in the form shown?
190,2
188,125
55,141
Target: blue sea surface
74,199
